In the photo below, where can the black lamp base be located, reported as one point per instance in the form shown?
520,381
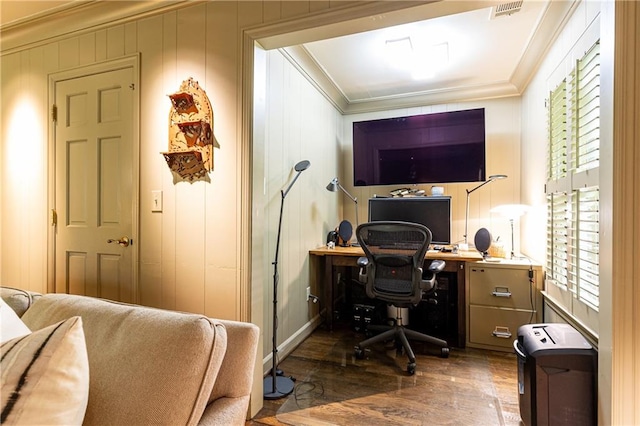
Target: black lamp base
284,386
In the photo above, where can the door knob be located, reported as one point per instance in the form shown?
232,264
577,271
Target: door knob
124,241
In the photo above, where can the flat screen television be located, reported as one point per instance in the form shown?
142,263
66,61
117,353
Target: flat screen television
432,212
443,147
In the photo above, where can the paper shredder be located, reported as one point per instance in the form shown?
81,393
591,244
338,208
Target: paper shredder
556,376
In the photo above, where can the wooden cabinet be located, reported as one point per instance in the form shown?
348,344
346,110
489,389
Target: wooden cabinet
500,297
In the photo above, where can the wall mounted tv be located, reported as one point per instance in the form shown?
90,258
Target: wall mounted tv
430,148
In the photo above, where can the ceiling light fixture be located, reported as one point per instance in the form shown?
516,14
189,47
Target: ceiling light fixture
430,60
399,52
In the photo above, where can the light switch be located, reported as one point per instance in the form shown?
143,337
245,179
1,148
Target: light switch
156,201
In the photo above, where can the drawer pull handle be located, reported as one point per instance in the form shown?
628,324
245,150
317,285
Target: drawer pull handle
501,332
501,292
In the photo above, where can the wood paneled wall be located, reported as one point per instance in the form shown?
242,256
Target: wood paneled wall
298,124
189,253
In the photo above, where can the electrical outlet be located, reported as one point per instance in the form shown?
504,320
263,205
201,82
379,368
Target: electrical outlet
308,292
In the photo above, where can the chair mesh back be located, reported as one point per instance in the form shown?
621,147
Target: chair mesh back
396,253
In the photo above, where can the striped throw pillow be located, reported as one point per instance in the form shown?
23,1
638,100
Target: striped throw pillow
45,376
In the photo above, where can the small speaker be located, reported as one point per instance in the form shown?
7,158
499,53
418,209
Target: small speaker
345,231
482,241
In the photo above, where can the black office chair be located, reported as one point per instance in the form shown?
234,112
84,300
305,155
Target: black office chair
392,272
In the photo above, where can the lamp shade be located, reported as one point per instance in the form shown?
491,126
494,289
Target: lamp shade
333,185
511,211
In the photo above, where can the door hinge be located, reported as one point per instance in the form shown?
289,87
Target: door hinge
132,86
54,217
54,113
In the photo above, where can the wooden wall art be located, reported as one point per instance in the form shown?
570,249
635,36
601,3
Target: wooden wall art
190,152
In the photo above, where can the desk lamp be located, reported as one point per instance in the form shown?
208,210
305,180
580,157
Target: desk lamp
276,385
511,212
466,216
333,187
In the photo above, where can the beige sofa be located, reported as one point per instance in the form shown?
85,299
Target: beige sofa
152,366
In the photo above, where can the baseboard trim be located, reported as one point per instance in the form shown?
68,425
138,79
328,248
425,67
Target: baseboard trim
291,343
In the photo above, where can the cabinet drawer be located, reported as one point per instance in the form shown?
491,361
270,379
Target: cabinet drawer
507,288
495,326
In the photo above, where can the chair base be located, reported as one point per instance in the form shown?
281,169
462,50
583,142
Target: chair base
401,335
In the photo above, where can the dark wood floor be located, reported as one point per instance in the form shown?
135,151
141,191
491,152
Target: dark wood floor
470,387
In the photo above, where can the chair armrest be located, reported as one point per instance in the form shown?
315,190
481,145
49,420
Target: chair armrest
429,276
363,263
436,266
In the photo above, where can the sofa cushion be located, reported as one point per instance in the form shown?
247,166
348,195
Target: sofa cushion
148,366
11,326
45,376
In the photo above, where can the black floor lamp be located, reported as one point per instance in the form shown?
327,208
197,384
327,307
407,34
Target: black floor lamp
276,385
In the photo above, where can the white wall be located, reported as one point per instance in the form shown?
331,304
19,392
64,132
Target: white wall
294,123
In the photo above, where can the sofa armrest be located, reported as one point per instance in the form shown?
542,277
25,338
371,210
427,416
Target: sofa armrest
235,378
19,300
226,412
147,365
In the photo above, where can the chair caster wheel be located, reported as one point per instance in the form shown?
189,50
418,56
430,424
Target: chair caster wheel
411,368
359,353
444,353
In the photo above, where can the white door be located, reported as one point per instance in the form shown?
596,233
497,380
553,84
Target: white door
94,185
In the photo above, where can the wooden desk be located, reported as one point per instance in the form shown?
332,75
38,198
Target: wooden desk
347,256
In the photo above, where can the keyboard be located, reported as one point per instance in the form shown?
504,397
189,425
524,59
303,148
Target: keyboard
401,246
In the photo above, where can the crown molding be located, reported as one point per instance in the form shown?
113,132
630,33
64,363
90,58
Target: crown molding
309,68
83,17
300,58
436,97
551,24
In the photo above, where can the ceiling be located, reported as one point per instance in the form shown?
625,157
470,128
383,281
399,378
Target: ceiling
482,50
488,55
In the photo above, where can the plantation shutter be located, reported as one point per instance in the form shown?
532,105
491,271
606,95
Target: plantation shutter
573,202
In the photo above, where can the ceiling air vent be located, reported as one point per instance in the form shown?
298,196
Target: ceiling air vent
506,9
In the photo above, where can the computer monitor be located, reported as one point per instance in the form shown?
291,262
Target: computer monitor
432,212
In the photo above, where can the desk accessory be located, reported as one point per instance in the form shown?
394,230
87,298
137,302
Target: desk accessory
345,232
482,241
465,246
275,385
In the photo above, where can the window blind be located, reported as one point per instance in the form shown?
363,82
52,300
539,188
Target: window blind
557,164
573,205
